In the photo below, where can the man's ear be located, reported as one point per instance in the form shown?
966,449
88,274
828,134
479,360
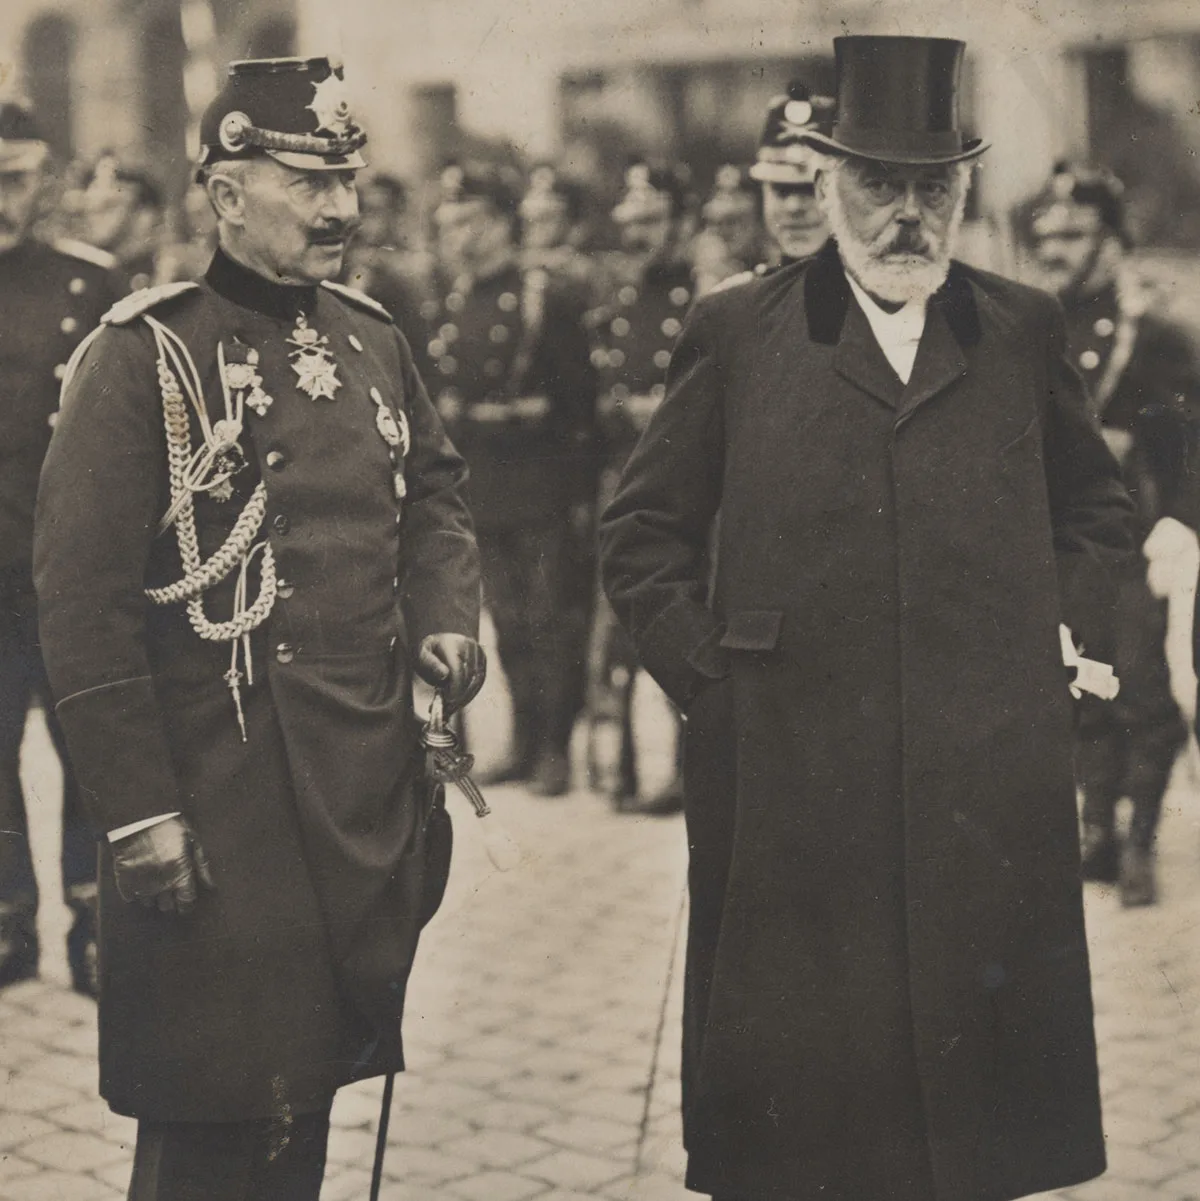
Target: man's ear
227,195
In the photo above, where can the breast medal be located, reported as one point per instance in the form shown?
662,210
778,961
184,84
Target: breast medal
315,368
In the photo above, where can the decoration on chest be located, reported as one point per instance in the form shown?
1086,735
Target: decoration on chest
241,380
315,368
394,430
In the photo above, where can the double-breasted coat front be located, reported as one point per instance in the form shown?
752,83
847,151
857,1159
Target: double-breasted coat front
288,979
887,985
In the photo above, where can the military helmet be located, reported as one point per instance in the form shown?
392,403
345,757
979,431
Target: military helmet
783,157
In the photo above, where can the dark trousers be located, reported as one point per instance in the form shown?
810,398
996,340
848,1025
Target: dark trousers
541,637
276,1159
1127,747
22,682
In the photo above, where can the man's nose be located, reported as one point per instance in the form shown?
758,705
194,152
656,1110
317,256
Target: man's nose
909,207
341,202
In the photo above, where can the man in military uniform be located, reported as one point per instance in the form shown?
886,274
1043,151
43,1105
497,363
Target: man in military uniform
731,240
250,533
1143,381
50,298
125,209
786,168
509,371
652,290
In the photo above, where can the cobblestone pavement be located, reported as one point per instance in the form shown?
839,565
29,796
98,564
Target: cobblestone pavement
544,1027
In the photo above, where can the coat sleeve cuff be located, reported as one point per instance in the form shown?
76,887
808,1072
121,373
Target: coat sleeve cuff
119,753
682,651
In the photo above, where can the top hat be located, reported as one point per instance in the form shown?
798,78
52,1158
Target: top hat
897,101
22,147
500,186
297,110
782,155
1076,185
650,192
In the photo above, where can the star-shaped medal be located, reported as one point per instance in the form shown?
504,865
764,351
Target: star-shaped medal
331,105
316,371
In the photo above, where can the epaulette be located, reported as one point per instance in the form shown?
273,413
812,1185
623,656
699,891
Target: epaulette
143,300
360,299
734,281
74,248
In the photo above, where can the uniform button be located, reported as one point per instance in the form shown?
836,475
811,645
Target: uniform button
1104,328
281,523
662,359
355,342
658,391
52,420
455,302
616,358
627,295
499,334
68,325
448,332
429,309
600,358
620,327
77,286
493,368
276,460
437,348
284,588
671,326
60,370
1089,360
507,302
680,296
285,652
447,364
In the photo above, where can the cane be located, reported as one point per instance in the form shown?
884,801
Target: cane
385,1113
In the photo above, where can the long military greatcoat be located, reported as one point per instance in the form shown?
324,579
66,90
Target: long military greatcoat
887,986
288,980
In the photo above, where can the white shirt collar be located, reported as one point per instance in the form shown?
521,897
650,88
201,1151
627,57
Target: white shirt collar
898,333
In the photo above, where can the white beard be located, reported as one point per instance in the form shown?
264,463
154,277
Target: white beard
898,277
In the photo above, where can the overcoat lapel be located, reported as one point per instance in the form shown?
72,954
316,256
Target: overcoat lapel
860,359
940,361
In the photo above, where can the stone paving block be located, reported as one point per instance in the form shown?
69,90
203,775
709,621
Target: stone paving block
499,1149
497,1186
617,1105
648,1186
1183,1146
117,1174
352,1185
354,1108
506,1113
412,1127
73,1150
477,1072
351,1146
598,1135
62,1186
425,1164
19,1128
575,1170
1131,1129
1138,1166
1156,1103
13,1167
1185,1187
79,1040
21,1093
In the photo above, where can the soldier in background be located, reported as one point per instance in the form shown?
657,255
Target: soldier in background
1142,378
508,369
125,210
187,254
50,298
786,168
731,240
652,289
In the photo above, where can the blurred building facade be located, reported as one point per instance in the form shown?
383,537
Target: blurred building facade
595,82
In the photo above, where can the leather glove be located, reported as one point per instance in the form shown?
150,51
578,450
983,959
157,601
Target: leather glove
159,866
455,665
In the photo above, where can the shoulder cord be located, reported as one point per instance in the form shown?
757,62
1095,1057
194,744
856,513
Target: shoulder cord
187,471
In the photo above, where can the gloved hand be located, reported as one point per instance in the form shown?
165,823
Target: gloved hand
455,664
160,866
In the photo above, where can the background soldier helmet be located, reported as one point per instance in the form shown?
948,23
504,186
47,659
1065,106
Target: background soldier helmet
782,155
460,183
650,192
297,110
22,147
1073,186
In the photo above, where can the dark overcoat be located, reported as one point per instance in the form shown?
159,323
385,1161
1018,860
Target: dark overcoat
288,980
887,985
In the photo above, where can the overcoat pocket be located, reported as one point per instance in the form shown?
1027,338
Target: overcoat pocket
753,630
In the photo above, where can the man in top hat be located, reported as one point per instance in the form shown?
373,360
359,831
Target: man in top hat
50,298
1144,387
250,534
509,372
651,290
887,989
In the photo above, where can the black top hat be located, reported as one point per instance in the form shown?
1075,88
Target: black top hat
22,147
897,100
782,155
296,110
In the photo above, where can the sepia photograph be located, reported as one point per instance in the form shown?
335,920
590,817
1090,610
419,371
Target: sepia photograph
599,601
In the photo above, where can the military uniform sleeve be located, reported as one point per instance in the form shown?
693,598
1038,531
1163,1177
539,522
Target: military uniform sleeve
1090,511
440,591
99,503
654,536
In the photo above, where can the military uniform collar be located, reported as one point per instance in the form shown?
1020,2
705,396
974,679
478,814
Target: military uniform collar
284,302
827,299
